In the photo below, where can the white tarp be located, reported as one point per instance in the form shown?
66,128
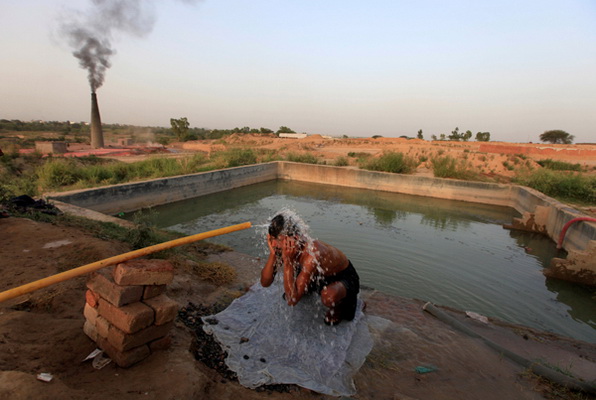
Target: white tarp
269,342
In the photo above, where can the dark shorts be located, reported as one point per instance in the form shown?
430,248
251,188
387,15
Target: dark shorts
350,279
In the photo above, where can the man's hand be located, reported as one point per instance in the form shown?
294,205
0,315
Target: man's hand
290,247
272,243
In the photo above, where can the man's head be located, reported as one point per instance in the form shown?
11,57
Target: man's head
281,225
276,226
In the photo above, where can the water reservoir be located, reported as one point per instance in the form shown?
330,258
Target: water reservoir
449,252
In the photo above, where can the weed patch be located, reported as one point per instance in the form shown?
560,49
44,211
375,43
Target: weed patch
391,162
307,158
449,167
561,185
559,165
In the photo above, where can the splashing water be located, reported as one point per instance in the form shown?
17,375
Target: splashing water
293,221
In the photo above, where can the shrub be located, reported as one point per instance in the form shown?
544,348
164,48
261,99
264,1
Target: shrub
507,165
359,154
449,167
562,185
307,158
193,163
559,165
391,162
341,162
267,155
238,157
58,172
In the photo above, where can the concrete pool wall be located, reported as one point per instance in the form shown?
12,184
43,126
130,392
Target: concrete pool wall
540,213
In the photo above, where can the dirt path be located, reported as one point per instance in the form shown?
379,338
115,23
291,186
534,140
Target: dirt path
42,332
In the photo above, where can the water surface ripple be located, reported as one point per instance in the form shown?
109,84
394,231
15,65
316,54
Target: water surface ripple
448,252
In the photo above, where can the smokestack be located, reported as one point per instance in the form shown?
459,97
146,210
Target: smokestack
96,132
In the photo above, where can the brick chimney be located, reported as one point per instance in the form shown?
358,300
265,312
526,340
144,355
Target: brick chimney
96,132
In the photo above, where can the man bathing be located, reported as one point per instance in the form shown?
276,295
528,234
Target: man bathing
311,265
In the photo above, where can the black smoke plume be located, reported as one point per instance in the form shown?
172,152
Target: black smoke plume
91,33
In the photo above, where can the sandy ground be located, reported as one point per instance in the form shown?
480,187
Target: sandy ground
488,162
42,332
498,163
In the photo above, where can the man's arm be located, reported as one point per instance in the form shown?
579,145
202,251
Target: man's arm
304,278
269,270
297,286
290,259
289,281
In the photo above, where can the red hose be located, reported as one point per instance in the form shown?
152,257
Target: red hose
568,224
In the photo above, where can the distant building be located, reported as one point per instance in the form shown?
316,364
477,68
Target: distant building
293,135
51,147
124,142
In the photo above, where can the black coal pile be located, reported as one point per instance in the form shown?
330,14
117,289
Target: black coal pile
204,346
208,350
25,205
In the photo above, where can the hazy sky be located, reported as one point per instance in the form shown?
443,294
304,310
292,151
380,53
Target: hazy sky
360,68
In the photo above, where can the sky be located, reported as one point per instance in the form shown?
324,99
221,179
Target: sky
356,68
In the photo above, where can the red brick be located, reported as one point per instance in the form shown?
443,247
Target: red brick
144,272
123,341
92,298
165,308
130,318
163,343
124,359
153,291
90,331
90,313
103,326
115,294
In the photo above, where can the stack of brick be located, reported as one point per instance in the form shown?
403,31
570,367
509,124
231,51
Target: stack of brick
126,311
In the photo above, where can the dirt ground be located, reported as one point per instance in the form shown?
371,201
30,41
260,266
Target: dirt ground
42,332
493,161
489,158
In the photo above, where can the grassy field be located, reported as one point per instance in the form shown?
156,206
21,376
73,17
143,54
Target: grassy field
34,175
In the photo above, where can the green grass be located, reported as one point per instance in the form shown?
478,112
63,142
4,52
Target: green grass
307,158
564,186
559,165
341,162
395,162
449,167
58,174
359,154
237,157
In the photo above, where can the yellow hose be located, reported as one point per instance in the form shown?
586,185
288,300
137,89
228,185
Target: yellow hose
66,275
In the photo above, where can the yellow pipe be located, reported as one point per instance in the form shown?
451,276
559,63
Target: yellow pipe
66,275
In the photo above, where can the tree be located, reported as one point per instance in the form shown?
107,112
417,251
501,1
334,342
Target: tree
467,136
455,135
483,137
420,134
284,129
557,136
266,130
434,137
180,127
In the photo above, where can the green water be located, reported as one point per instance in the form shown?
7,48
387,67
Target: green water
451,253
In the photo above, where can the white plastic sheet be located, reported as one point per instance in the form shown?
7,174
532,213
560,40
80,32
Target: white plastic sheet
269,342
